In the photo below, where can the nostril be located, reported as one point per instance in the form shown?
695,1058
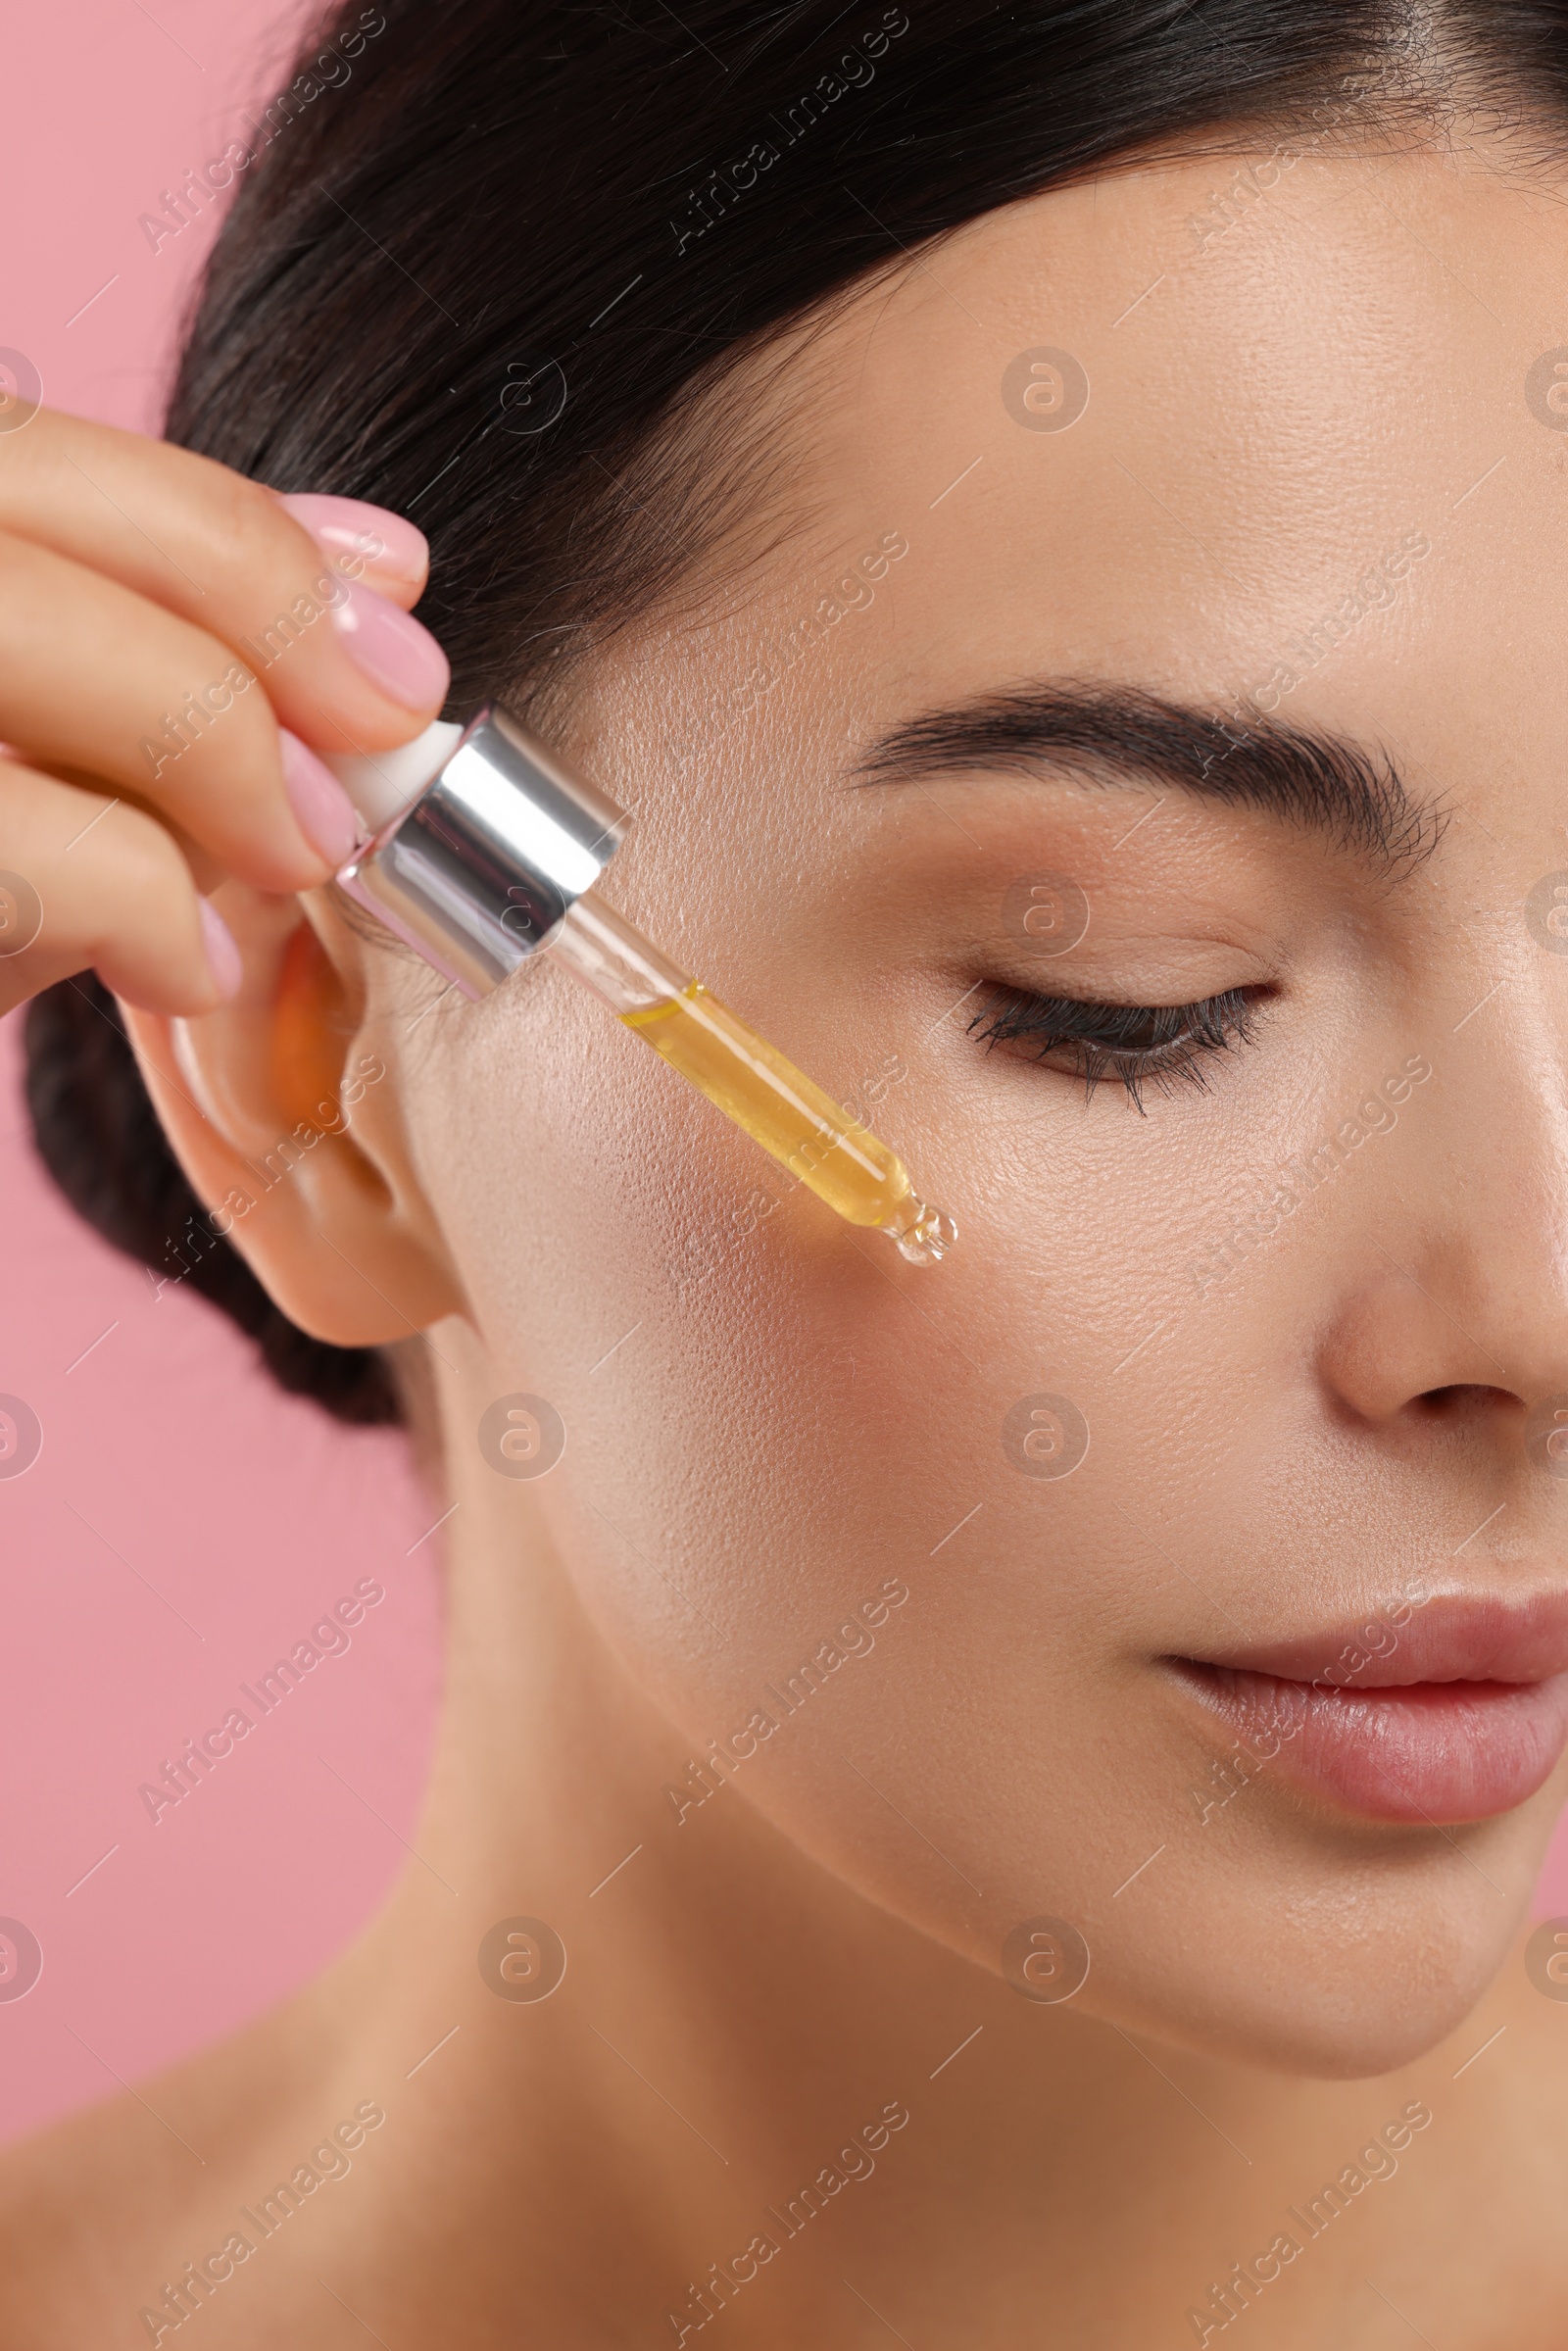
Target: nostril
1467,1401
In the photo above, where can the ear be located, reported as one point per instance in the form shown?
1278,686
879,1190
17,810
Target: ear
281,1115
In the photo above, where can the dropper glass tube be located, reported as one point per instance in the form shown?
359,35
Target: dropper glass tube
750,1080
482,850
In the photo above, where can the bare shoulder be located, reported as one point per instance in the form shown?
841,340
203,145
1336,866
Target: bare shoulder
73,2199
101,2213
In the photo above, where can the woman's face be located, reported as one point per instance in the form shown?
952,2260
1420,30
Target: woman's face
1309,1313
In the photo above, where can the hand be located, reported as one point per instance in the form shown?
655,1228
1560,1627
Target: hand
177,647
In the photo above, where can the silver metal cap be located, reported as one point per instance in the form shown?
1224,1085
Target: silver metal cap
479,872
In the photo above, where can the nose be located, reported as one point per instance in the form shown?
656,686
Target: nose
1398,1355
1458,1312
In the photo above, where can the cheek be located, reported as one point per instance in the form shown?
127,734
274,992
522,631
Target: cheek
778,1402
769,1415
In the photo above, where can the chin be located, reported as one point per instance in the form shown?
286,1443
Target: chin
1323,2040
1342,1983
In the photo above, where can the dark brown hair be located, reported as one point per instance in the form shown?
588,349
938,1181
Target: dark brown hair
488,262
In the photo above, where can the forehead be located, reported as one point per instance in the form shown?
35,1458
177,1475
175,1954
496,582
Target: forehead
1319,443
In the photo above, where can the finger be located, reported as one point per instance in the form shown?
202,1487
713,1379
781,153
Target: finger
207,871
394,558
95,678
87,882
345,668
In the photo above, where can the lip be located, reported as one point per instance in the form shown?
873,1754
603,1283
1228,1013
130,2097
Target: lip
1457,1714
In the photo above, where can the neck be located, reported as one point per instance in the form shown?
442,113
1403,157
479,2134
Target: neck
745,2064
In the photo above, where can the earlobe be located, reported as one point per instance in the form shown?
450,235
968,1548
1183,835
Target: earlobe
280,1109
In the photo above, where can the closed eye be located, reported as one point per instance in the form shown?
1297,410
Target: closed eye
1163,1044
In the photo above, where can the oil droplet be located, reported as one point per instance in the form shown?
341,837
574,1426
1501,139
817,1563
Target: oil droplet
923,1235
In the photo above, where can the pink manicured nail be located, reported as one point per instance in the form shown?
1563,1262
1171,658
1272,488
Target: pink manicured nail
392,649
384,543
326,814
222,956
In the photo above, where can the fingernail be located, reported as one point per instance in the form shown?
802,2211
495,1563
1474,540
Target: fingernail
390,646
326,814
386,546
222,956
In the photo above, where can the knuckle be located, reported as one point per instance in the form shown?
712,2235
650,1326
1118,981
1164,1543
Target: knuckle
246,537
256,543
148,872
245,522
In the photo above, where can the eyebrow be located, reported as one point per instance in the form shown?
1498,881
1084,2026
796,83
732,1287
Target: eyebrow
1124,735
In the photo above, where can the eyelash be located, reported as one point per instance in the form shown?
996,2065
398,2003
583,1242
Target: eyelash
1163,1044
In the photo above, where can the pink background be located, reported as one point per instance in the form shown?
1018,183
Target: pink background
186,1525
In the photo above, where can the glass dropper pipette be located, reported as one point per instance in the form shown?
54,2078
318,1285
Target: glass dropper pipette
487,851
